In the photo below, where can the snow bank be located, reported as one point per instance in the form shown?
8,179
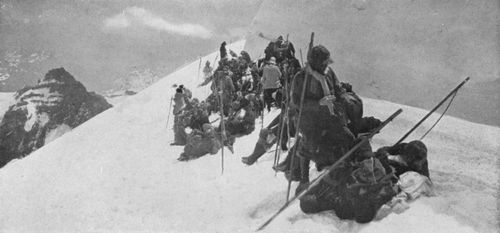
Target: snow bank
117,173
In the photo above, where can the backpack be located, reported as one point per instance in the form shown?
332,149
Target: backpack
371,188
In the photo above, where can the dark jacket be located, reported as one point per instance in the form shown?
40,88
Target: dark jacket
223,51
316,121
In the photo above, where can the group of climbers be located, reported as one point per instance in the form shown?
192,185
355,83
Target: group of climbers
235,94
331,122
322,114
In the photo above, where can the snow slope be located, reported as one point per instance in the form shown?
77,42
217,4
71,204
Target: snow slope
117,173
6,99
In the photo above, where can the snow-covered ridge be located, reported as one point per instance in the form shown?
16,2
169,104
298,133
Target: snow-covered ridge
117,173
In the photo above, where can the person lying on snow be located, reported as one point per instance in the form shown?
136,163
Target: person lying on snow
368,187
356,189
410,166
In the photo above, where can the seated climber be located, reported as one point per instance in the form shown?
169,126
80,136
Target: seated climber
200,142
242,121
198,114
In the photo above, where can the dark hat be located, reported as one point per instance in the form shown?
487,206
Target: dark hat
414,151
320,54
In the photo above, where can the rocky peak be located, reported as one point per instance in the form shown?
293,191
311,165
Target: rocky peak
55,105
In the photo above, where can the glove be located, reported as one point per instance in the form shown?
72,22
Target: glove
329,102
346,86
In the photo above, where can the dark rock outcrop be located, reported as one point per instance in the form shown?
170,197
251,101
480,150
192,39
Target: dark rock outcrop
57,104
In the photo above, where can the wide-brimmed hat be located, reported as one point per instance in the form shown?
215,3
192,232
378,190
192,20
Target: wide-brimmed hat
320,54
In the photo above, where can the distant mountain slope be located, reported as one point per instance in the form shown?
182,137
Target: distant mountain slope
409,52
117,172
45,111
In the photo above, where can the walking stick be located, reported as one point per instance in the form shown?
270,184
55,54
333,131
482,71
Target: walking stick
262,117
331,168
169,107
433,110
223,127
199,68
301,61
304,84
283,117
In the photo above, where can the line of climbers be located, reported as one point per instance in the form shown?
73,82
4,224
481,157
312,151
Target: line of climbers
366,186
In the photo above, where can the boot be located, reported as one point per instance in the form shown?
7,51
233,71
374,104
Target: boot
183,157
258,151
304,175
283,166
294,173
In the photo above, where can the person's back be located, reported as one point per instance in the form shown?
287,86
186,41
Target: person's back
270,76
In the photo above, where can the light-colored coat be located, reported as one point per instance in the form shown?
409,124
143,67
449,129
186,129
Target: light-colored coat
271,75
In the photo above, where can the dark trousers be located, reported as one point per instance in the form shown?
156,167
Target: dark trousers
268,97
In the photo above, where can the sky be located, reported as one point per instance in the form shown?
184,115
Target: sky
405,51
99,41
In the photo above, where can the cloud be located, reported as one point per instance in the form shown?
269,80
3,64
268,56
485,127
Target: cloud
117,21
143,17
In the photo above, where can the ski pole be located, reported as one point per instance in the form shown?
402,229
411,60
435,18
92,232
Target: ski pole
199,68
283,118
301,61
331,168
432,111
223,127
169,107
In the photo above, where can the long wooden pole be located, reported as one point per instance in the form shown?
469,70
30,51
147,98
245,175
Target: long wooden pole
432,111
